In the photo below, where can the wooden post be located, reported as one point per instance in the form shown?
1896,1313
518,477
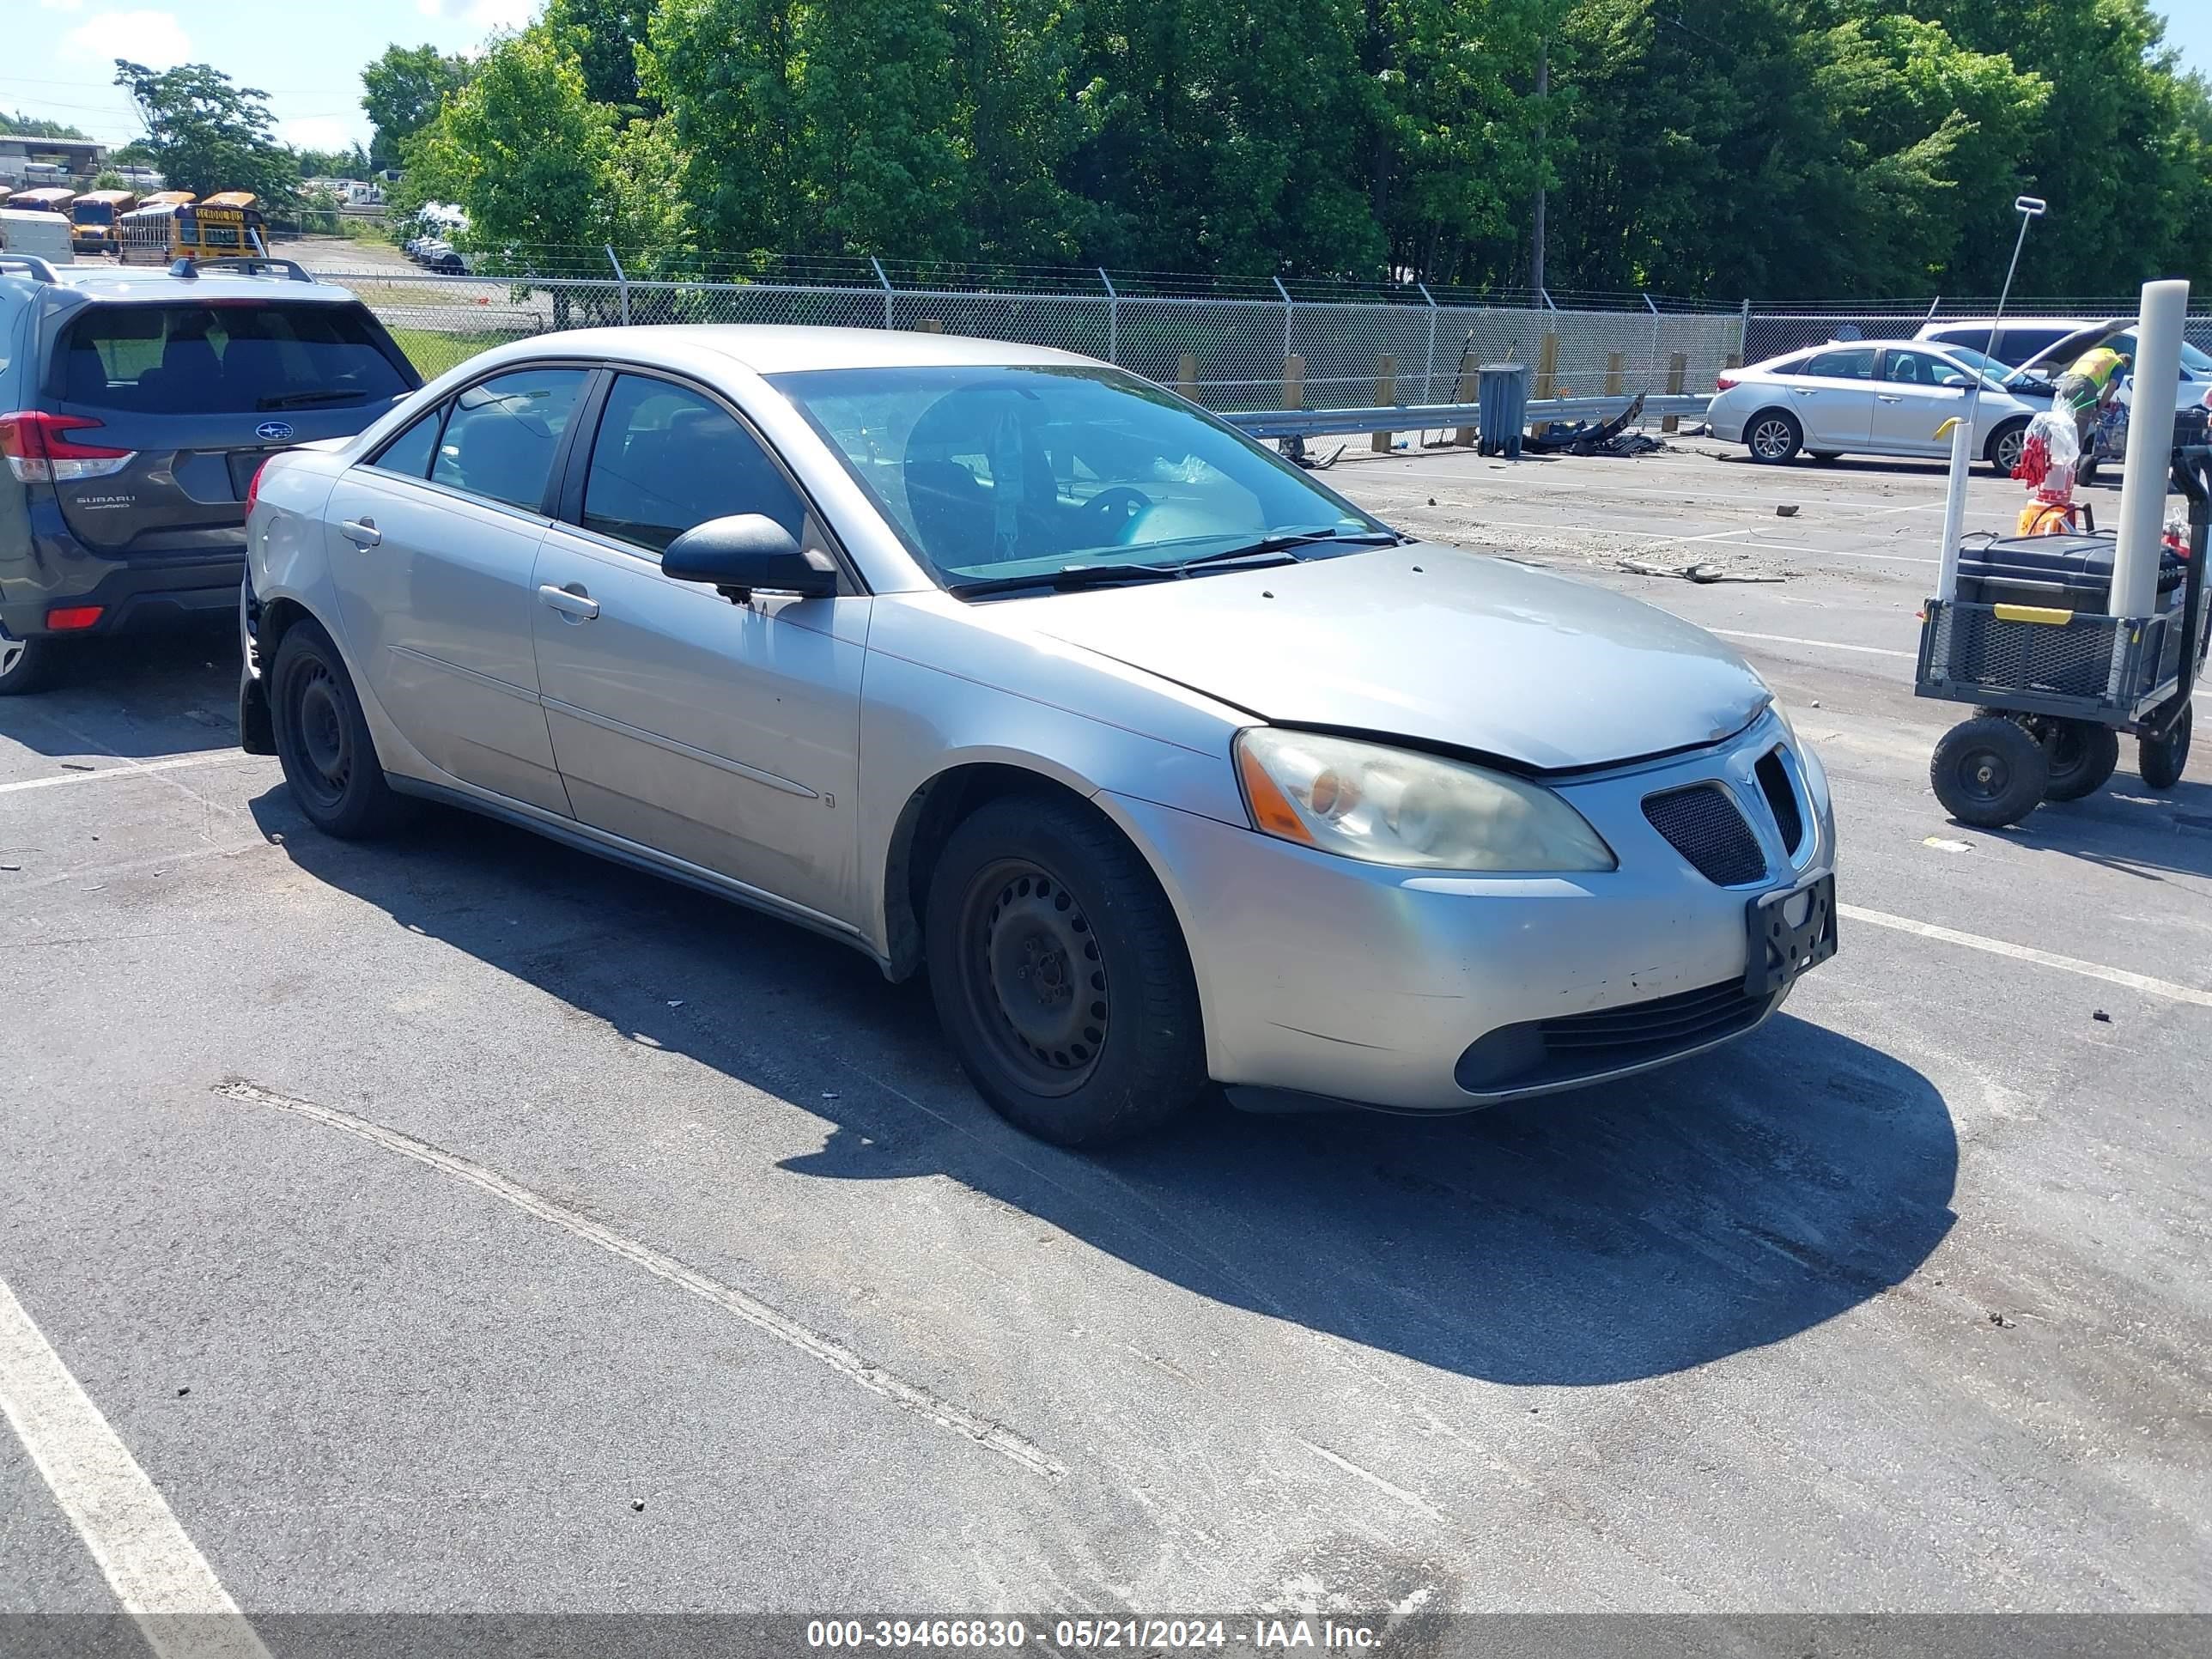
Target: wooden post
1466,389
1187,375
1613,367
1294,381
1386,393
929,325
1547,369
1678,365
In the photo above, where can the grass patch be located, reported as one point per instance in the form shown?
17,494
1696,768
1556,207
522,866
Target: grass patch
434,350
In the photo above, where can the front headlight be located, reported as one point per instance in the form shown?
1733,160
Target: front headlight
1382,805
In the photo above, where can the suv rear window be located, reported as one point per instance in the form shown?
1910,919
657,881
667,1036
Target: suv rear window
229,358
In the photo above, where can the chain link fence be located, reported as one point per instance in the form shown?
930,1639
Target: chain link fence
1233,345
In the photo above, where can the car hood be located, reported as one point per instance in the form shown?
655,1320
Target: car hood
1430,643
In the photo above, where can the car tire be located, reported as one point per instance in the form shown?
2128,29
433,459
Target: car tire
2003,448
1989,772
1823,457
1773,436
2083,756
2161,764
1060,975
26,666
323,740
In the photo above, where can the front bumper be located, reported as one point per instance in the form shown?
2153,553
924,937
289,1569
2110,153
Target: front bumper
1325,981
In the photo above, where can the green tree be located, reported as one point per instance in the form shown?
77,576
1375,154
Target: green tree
403,91
109,179
33,126
607,33
205,134
333,163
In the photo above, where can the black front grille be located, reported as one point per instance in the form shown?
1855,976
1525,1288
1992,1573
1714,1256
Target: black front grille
1782,800
1548,1052
1704,824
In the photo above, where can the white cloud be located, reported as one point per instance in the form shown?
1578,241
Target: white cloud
154,39
486,14
318,132
62,5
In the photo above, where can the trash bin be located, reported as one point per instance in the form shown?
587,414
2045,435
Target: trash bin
1502,393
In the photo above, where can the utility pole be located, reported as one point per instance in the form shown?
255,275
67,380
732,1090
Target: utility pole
1543,90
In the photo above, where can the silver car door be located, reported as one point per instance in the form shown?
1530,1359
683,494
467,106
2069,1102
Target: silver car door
725,734
434,576
1910,402
1833,397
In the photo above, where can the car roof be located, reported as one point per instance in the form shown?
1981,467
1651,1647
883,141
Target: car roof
774,349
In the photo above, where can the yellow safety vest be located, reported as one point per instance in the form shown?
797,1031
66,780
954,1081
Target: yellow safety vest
2097,367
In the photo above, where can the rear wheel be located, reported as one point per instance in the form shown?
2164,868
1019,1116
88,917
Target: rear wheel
1060,976
323,741
2162,763
1773,435
1989,772
25,666
2083,756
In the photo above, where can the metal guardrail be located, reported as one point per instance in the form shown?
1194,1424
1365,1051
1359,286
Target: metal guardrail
1421,417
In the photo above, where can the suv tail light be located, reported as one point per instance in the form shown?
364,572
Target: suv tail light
1722,383
38,451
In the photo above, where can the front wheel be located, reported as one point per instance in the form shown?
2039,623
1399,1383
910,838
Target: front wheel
2006,444
1060,975
323,741
2162,763
25,666
1773,436
1989,772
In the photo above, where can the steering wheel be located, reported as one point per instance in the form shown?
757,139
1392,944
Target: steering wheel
1117,507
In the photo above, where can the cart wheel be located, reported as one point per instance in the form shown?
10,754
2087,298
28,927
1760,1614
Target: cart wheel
2161,763
2082,756
1989,773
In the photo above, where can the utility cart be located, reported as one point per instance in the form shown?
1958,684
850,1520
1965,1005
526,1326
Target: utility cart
2055,678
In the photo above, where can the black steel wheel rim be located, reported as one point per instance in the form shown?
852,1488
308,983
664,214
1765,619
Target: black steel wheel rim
321,743
1983,774
1770,438
1036,977
2069,752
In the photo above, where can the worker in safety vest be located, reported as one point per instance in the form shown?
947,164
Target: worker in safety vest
2091,381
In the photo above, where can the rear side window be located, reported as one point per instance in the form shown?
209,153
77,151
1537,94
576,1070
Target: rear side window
500,439
1855,364
227,358
667,458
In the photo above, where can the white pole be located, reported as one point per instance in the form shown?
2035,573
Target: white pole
2150,441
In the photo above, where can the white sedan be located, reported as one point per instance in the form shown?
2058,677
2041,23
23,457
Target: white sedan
1873,397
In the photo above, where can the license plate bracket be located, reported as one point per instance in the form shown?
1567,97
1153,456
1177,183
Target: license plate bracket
1781,949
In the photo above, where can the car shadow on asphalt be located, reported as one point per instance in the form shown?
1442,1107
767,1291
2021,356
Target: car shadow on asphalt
143,697
1622,1232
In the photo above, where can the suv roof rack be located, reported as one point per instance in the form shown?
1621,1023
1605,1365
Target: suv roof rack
290,269
30,264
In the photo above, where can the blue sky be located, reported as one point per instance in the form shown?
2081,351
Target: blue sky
308,54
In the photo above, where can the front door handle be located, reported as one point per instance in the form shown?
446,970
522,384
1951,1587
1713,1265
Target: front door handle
574,604
1803,391
1888,397
361,533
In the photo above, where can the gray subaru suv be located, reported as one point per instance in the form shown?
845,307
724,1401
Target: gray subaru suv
136,405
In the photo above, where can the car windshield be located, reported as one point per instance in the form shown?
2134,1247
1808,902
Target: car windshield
227,357
1042,471
1990,367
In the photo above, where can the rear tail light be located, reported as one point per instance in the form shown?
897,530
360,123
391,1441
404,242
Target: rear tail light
62,618
37,450
253,487
1722,383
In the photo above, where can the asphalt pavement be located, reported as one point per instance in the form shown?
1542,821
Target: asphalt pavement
460,1223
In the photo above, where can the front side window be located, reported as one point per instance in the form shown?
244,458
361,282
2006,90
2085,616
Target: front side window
1854,364
500,437
1006,471
667,458
1921,368
231,358
411,452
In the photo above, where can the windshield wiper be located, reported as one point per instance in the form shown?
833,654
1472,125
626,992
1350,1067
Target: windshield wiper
1073,576
301,399
1284,541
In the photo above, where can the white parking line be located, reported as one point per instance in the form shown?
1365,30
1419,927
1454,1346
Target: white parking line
2133,982
128,769
1822,645
994,1437
157,1573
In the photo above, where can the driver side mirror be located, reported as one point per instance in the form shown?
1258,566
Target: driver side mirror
1952,380
745,552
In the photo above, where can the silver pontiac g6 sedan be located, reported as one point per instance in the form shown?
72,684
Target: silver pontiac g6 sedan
1167,764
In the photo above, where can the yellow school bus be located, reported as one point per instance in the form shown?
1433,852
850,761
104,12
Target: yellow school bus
94,215
47,199
225,225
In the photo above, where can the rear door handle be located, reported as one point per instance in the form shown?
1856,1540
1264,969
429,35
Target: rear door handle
1888,397
572,601
1803,390
361,533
